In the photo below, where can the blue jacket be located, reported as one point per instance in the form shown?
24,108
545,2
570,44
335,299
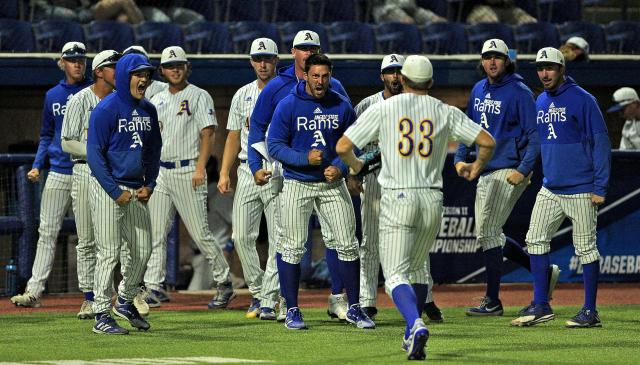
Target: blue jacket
124,143
506,109
301,123
276,90
576,153
55,105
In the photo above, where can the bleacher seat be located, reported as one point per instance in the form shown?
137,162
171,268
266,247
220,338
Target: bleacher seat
531,37
285,10
622,37
351,37
558,11
10,9
156,36
207,37
480,32
108,34
241,10
591,32
444,38
243,33
16,36
288,31
337,11
51,35
398,38
206,8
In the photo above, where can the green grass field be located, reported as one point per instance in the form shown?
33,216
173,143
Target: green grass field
460,340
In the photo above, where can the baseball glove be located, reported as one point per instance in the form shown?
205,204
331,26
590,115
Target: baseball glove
372,162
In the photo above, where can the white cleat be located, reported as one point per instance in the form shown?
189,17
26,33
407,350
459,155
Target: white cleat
86,310
338,306
26,300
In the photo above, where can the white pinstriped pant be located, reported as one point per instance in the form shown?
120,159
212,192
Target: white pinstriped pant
116,226
333,204
56,198
174,191
409,223
250,200
495,199
549,212
86,248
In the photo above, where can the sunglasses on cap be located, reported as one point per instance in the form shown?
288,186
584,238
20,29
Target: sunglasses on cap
111,60
264,57
391,70
75,52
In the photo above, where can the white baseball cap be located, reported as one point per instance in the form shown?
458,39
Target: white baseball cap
306,38
580,43
173,54
623,97
495,45
550,55
105,58
136,49
263,46
392,60
417,68
74,50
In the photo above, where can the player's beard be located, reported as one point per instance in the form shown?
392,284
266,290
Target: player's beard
394,86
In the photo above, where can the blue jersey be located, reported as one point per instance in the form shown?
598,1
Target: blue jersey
506,109
124,143
55,105
276,90
575,148
301,123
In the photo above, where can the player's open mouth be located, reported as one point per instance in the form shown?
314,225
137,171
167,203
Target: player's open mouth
142,87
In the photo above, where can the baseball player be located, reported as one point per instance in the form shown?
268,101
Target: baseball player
628,104
569,125
155,86
74,138
188,121
302,136
56,196
503,105
123,152
305,43
250,200
369,257
413,130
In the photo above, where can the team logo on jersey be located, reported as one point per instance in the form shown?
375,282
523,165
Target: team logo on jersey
137,141
136,124
319,122
58,109
317,111
553,115
184,107
487,105
134,113
488,96
319,139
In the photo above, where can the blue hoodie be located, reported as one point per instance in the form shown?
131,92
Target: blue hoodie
55,105
124,143
301,123
276,90
506,109
576,153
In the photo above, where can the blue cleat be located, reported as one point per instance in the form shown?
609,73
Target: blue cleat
487,307
267,314
254,309
224,295
584,319
294,319
417,340
106,325
129,312
534,314
357,316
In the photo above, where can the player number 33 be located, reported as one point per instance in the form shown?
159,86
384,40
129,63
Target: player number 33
406,143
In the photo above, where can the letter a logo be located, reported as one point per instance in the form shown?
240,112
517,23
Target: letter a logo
493,44
172,54
543,54
394,58
261,46
308,37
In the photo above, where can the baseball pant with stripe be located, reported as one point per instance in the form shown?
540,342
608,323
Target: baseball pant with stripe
495,199
86,248
174,192
249,202
549,212
116,226
409,223
54,204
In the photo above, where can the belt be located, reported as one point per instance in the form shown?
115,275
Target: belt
176,164
80,161
243,161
